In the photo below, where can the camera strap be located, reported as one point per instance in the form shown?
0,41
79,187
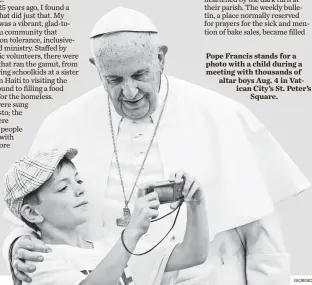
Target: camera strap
174,222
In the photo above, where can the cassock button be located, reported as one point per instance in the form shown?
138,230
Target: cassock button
137,135
138,153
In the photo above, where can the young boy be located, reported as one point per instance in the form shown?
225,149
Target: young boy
46,192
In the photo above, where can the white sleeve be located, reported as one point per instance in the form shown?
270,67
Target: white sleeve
150,268
55,271
53,132
267,261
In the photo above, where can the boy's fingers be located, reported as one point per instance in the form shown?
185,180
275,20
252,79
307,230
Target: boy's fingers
153,213
174,205
179,176
189,181
152,196
172,176
192,191
154,204
141,192
143,188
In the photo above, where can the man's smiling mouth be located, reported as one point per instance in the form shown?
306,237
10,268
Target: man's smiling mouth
133,103
135,100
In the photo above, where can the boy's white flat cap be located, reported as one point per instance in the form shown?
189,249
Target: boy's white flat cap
29,173
121,20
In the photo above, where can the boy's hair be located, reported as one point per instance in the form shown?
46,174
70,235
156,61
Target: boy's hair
33,197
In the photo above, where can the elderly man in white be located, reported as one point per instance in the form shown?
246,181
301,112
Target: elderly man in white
140,126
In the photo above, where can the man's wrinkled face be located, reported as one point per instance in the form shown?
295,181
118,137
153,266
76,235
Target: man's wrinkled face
130,71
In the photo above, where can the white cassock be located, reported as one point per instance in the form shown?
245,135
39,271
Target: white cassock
241,167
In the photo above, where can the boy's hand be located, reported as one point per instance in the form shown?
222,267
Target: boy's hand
145,209
27,248
192,190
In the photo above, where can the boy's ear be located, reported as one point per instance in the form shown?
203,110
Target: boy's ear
31,214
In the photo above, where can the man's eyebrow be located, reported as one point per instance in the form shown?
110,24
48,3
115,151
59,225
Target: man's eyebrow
141,71
112,76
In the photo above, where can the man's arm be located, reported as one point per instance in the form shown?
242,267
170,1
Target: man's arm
55,271
15,234
194,248
23,244
267,262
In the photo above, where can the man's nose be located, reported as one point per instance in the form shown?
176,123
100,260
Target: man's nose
130,89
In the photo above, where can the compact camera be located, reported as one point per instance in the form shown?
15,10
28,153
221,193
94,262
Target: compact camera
168,191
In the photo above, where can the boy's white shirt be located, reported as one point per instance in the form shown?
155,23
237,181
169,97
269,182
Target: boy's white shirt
70,265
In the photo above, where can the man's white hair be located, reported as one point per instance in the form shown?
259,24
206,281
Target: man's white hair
99,43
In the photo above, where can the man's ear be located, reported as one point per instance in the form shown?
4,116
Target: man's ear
161,56
31,214
91,59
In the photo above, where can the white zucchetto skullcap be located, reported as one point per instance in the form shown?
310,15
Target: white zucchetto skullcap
121,20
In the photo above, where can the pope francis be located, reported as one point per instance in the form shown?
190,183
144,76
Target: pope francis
142,125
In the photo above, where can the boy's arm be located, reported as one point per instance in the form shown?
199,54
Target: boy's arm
194,248
109,271
112,266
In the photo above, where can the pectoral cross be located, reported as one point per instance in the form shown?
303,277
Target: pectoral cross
124,221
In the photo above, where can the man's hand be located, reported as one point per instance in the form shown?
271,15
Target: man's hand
27,248
145,209
192,190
